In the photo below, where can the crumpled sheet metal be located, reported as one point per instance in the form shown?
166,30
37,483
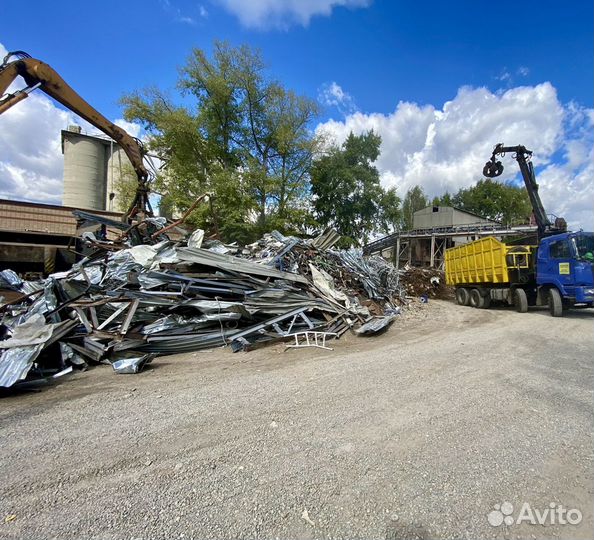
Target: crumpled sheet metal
216,306
185,325
70,356
19,352
33,331
187,343
167,298
233,264
325,284
378,277
277,301
133,364
16,362
10,280
326,239
375,325
195,239
87,219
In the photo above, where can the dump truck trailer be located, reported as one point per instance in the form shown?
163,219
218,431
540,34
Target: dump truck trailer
558,273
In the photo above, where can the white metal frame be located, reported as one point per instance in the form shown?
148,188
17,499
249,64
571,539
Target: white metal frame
311,338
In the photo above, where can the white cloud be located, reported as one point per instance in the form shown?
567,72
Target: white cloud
332,95
444,149
31,160
130,127
283,13
504,76
178,16
523,71
508,77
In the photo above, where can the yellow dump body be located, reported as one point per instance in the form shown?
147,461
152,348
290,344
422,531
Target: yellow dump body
485,261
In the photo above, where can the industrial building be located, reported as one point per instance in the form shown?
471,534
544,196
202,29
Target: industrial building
40,238
435,229
437,217
93,167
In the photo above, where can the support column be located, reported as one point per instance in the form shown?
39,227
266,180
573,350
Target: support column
432,263
49,259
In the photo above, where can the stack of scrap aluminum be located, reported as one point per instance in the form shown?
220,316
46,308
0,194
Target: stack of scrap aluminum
356,275
123,307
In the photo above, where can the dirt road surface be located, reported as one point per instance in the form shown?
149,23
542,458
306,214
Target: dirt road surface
418,433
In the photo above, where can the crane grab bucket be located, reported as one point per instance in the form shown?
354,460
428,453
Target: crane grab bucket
492,168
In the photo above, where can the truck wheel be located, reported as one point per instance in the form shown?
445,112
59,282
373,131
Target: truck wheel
476,300
462,296
555,303
520,301
479,301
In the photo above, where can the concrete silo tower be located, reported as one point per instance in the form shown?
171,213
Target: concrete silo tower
93,167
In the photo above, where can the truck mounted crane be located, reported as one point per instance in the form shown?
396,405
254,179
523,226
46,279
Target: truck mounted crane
522,155
555,269
38,74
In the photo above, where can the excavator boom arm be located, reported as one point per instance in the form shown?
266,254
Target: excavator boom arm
38,74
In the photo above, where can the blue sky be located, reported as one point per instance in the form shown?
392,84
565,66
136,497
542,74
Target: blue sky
384,53
487,60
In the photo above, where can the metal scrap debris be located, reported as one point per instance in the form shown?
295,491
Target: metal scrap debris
132,364
126,303
375,325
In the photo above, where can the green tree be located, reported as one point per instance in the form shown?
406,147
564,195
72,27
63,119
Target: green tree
390,211
415,199
239,135
494,200
347,191
444,200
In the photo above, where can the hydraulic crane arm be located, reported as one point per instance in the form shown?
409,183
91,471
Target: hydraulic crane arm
40,75
522,155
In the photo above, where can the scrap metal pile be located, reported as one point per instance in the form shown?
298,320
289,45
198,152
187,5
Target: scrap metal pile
125,306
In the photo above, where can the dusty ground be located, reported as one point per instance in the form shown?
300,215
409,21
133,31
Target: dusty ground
415,434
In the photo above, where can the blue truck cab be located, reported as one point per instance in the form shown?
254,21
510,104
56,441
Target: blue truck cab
564,271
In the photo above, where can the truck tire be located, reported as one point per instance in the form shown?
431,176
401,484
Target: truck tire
462,296
555,303
520,300
476,300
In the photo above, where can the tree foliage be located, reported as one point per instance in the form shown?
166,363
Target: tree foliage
239,135
347,191
415,199
390,211
494,200
444,200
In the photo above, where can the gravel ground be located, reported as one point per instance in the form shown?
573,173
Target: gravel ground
414,434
